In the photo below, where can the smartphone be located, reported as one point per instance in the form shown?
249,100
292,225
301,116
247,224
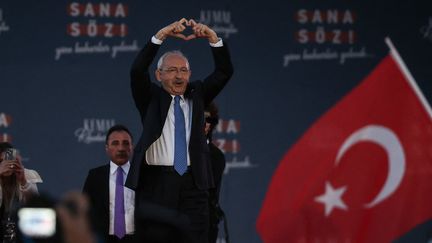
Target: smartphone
10,154
37,222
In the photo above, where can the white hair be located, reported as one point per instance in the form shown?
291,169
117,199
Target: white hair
173,53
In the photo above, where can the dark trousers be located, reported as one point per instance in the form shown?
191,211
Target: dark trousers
213,227
182,209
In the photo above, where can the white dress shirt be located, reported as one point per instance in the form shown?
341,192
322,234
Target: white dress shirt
161,152
129,200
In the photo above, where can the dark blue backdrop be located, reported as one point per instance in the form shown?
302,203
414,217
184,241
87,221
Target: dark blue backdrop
64,73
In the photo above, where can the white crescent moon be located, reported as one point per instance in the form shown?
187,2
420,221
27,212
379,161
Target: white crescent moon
396,157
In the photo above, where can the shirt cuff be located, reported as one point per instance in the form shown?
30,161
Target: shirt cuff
156,41
217,44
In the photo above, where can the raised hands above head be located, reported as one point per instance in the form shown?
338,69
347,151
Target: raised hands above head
203,31
174,29
177,28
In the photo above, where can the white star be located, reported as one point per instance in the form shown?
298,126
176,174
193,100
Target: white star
332,198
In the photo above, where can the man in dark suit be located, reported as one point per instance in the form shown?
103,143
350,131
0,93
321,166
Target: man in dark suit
158,174
112,205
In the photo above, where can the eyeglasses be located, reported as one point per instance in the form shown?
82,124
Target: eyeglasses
173,70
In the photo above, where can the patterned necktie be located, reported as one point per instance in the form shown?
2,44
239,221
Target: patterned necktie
180,152
119,211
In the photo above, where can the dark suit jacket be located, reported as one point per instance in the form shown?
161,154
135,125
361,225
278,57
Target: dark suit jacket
96,187
153,102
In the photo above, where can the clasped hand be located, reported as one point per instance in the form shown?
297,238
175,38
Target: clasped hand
9,167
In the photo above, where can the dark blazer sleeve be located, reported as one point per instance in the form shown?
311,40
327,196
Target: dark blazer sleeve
216,81
96,187
140,77
143,91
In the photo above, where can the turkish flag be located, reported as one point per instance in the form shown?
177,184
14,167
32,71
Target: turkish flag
362,172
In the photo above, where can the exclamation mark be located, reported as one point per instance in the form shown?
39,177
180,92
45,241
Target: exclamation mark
234,146
123,30
351,37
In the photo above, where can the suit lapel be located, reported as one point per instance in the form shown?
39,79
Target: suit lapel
189,91
165,102
105,187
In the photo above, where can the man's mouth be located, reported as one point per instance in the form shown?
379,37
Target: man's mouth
122,155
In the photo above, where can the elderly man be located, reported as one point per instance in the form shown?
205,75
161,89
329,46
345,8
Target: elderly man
171,164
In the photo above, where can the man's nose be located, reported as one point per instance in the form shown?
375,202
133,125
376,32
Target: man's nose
178,74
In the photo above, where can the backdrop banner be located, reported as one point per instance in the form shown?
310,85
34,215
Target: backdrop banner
64,81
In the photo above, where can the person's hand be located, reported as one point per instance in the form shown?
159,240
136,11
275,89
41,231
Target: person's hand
202,31
19,171
7,167
75,223
175,30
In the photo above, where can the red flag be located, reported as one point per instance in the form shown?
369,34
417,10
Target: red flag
362,172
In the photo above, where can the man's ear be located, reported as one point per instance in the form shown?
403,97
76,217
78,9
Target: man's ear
158,74
190,73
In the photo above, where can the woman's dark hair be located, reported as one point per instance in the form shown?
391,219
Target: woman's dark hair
4,146
213,119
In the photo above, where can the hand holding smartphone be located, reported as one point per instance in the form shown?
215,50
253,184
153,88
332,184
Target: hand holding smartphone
10,154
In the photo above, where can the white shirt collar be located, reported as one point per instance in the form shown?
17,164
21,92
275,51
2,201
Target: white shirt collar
113,167
181,96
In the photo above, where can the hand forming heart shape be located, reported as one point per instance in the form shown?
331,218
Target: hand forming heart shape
176,30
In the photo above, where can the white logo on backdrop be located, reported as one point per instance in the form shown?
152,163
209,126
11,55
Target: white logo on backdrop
99,24
3,26
325,35
327,54
237,164
426,30
226,132
96,48
94,130
219,21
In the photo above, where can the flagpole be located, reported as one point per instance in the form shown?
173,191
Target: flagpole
408,75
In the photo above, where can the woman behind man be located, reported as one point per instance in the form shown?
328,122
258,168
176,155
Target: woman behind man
17,184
